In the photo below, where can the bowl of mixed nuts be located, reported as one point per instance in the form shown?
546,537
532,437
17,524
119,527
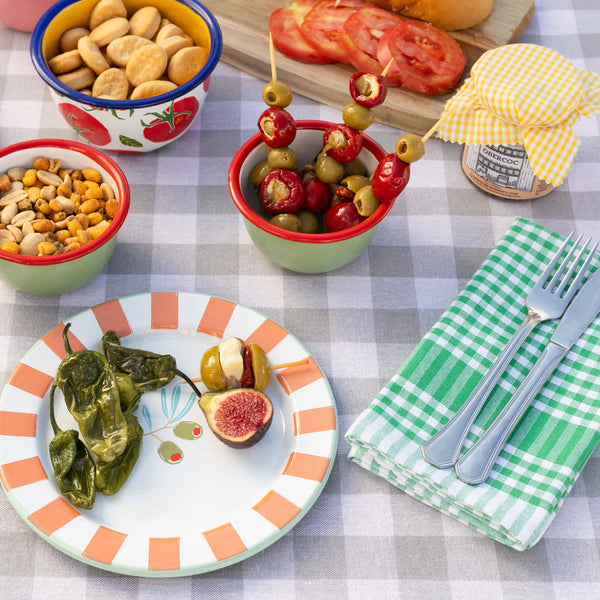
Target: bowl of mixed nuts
127,75
61,206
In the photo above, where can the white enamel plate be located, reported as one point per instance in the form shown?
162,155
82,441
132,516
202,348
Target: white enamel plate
191,504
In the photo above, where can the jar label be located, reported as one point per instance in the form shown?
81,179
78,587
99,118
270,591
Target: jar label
503,171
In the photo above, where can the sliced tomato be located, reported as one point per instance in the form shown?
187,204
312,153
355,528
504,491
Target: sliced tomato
284,25
426,58
362,31
324,23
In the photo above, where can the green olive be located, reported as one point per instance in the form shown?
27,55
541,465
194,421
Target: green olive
309,223
260,367
357,116
287,221
281,158
410,148
355,167
355,182
258,173
276,93
365,201
328,169
211,371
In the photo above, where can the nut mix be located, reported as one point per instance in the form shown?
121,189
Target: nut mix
119,58
48,209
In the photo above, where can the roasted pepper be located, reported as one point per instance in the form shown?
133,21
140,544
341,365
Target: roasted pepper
92,397
72,463
110,476
147,370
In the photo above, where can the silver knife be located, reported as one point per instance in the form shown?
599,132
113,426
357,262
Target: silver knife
475,465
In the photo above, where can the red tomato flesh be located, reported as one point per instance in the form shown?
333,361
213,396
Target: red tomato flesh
324,23
361,34
426,59
284,25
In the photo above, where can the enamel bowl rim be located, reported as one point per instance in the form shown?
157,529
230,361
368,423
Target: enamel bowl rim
122,192
41,66
253,217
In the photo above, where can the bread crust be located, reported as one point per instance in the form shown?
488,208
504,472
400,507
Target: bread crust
449,15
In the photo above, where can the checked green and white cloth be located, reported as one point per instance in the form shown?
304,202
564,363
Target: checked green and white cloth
551,444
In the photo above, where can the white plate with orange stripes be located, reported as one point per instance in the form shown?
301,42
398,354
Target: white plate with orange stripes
191,504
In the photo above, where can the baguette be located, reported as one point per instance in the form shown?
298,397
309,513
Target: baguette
449,15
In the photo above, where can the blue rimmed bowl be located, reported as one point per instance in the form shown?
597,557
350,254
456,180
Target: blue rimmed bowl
128,125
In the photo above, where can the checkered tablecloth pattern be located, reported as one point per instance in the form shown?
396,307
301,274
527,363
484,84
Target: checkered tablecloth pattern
363,539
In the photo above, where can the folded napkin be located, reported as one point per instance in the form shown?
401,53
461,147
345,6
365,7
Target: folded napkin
551,444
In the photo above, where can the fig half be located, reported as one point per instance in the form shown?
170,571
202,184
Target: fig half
238,417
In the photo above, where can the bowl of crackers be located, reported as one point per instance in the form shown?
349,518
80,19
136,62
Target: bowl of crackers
127,75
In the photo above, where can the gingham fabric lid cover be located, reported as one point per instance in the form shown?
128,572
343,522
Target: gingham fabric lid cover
524,94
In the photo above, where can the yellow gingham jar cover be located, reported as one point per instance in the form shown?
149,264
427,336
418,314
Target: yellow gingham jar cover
524,94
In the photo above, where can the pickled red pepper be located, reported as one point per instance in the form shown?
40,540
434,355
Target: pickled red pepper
92,397
72,463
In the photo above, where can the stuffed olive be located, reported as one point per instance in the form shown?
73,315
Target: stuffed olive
233,364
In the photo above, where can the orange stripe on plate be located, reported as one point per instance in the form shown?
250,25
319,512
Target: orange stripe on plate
314,419
22,472
277,509
30,380
216,317
267,335
224,541
104,545
17,423
165,310
163,554
307,466
54,340
110,315
294,378
53,516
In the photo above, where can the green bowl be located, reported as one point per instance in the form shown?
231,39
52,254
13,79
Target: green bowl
301,252
61,273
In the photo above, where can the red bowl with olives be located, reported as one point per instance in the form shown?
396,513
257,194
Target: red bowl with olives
299,250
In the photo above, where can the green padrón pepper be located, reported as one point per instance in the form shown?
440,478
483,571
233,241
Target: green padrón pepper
110,476
148,370
92,396
72,463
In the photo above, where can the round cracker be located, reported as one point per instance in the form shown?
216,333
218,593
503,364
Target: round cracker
108,31
69,38
65,62
146,63
147,89
111,83
92,56
105,10
145,22
186,63
119,51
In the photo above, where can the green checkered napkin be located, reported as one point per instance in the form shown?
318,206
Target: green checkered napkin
552,443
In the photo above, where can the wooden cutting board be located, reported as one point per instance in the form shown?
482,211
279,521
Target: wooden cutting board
244,24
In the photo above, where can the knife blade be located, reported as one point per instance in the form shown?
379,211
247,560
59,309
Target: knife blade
475,465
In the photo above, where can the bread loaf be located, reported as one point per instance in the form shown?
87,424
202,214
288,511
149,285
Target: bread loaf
445,14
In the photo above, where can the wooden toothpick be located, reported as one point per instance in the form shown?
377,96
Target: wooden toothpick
272,58
387,67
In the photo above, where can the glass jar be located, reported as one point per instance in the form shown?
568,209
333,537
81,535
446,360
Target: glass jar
503,171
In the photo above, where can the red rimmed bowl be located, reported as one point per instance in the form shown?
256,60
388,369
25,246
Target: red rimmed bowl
60,273
301,252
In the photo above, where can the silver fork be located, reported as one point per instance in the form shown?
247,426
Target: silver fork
547,300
